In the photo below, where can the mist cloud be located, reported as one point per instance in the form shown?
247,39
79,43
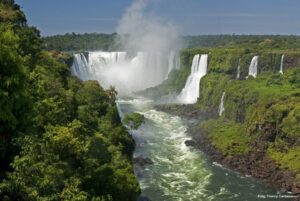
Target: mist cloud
149,52
145,31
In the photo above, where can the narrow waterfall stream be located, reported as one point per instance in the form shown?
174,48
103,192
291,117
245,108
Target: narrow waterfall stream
221,107
281,64
173,62
253,66
238,70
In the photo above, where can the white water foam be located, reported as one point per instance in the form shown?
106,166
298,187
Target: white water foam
253,67
178,171
238,70
281,64
221,107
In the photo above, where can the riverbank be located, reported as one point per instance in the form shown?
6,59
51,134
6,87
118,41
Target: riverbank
255,163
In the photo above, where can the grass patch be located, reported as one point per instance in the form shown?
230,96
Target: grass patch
228,137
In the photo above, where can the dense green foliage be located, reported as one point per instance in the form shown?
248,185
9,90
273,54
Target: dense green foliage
77,42
268,100
14,103
134,121
242,41
261,113
61,138
229,137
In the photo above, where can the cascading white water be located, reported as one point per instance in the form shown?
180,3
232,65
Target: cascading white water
80,67
238,69
190,92
119,110
221,107
253,67
281,64
127,75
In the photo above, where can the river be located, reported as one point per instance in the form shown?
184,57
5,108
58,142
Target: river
179,172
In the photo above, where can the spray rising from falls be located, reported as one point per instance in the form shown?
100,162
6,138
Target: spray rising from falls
238,70
127,74
87,66
221,107
281,64
149,54
190,92
253,67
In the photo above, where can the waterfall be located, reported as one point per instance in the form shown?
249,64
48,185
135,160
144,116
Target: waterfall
238,69
141,71
190,92
221,107
119,110
176,61
253,67
80,67
281,64
173,62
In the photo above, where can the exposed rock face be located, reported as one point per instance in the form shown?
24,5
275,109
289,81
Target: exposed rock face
141,198
189,112
191,143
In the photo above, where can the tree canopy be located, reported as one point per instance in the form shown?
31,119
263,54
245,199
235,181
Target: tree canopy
61,138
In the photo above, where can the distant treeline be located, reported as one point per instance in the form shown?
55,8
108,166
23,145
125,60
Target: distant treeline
95,41
243,41
76,42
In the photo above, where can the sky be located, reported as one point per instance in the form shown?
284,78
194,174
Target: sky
191,17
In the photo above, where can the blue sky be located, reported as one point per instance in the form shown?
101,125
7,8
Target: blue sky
192,17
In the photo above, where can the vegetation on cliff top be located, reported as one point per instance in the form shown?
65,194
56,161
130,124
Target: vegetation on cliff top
242,41
261,113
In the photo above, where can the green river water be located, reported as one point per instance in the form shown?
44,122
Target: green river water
182,173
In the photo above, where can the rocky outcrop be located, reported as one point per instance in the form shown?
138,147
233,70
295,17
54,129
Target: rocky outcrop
142,161
142,198
189,111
